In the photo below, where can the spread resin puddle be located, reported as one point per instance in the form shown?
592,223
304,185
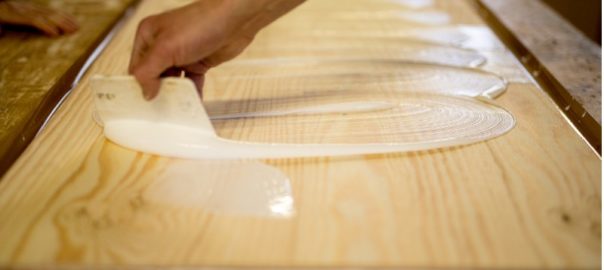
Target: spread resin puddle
170,187
319,5
462,36
420,120
414,3
362,48
175,124
277,77
431,17
226,187
342,107
422,18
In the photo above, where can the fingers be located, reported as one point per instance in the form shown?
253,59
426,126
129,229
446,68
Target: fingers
150,58
61,20
145,35
50,22
196,72
64,22
45,26
150,67
172,72
189,39
198,79
53,26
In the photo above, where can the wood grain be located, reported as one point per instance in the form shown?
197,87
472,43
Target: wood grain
530,199
561,58
37,71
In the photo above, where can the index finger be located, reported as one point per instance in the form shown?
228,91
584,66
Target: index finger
149,68
142,41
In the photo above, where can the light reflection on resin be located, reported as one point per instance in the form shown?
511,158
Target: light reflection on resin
225,187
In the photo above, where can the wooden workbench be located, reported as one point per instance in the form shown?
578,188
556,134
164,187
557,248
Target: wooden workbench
530,199
562,60
37,71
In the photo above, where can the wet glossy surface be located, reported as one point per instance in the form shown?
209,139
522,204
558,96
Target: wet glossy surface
174,124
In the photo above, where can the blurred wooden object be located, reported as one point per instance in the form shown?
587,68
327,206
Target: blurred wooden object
584,15
37,71
566,63
530,199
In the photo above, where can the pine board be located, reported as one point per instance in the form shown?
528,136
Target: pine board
37,70
529,199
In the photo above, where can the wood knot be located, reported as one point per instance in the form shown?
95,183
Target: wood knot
565,217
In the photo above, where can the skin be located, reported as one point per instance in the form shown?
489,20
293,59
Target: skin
51,22
197,37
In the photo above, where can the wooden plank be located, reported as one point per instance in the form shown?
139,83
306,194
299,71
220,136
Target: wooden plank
530,199
562,59
37,71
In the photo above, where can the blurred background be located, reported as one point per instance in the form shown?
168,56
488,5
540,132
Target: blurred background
586,15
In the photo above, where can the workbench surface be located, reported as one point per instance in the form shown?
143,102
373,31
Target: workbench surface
37,71
528,199
563,60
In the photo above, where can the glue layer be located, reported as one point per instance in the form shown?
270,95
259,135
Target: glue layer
274,78
349,107
354,5
399,4
429,120
462,36
400,17
414,3
176,125
226,187
361,48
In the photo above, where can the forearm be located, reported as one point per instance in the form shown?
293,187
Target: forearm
252,15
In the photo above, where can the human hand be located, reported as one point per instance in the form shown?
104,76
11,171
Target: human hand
199,36
51,22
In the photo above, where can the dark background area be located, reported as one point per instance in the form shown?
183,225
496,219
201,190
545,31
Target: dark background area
586,15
